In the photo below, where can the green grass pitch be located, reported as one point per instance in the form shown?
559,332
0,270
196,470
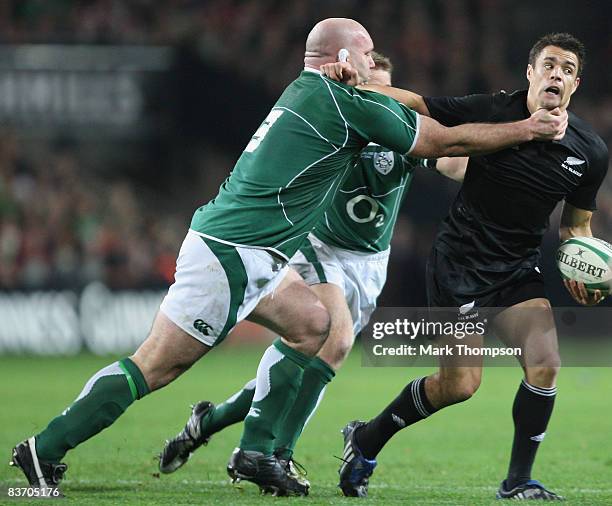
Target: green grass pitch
456,457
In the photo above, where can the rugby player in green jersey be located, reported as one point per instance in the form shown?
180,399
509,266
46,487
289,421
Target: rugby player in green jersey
236,251
344,260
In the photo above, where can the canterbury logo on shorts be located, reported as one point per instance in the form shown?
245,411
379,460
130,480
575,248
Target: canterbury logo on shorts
202,326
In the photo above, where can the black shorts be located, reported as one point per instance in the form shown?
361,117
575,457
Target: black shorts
453,285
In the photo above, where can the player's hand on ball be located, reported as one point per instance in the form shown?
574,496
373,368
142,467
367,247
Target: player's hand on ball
548,125
342,72
581,295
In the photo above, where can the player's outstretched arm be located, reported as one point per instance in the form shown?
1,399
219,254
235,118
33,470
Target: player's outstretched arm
576,222
435,140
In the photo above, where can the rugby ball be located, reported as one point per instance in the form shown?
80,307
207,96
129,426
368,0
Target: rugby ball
587,260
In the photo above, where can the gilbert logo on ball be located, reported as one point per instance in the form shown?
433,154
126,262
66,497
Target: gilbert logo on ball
587,260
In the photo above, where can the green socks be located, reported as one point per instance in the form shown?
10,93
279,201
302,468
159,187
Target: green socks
105,397
265,432
279,377
233,410
317,374
290,386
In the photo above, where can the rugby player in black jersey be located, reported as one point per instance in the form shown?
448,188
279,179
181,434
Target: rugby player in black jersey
486,254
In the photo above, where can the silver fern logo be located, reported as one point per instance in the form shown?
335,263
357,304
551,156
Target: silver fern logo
466,308
571,160
572,164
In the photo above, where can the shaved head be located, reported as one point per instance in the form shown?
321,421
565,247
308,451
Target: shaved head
332,34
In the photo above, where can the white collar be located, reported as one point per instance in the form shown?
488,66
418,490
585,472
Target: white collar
309,69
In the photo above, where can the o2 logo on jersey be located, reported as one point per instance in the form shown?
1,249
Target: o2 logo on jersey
384,162
373,214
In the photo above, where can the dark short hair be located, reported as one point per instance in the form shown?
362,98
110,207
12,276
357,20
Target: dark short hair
382,62
565,41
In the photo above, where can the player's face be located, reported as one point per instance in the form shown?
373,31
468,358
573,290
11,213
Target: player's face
554,78
361,55
380,77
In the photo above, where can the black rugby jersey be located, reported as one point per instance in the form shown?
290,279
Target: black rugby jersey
501,212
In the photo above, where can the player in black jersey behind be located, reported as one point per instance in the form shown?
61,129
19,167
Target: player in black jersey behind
486,254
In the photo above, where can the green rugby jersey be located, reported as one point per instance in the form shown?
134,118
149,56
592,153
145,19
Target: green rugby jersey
290,171
364,211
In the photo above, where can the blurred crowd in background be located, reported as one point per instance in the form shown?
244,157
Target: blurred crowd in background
64,222
62,226
439,46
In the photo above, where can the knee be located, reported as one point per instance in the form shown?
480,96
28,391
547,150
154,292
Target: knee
321,326
542,370
337,348
544,376
342,347
315,328
460,389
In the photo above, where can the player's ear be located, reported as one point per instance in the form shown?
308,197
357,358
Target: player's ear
575,85
529,72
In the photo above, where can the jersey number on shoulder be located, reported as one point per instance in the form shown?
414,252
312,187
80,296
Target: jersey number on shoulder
261,132
350,209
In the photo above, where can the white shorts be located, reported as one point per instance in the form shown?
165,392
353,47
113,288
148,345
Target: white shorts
218,285
361,276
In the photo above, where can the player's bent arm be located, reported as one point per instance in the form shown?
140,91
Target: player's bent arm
408,98
435,140
575,222
344,72
453,168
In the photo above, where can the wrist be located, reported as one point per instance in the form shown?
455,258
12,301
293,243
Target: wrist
527,130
